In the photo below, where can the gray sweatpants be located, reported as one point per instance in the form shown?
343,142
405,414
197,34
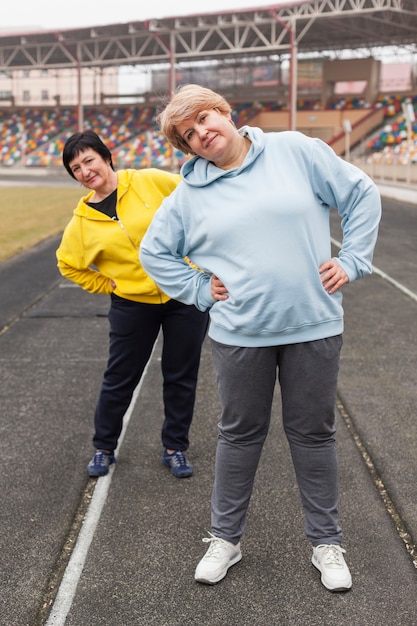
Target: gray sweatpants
246,377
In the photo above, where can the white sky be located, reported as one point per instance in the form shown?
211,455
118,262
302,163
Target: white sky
49,14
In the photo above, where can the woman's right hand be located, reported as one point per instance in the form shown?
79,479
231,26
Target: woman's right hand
218,290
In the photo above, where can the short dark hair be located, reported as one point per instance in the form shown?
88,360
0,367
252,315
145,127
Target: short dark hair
81,141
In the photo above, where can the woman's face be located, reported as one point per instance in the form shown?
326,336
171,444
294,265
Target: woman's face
211,135
91,170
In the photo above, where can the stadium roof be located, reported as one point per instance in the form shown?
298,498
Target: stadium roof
310,26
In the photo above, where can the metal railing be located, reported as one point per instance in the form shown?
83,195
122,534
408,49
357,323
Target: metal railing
391,170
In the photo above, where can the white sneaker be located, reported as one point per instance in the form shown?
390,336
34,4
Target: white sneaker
329,560
220,555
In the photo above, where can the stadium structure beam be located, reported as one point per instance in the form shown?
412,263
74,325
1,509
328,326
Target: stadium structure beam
293,71
319,27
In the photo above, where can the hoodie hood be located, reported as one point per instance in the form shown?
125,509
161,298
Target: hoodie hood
198,172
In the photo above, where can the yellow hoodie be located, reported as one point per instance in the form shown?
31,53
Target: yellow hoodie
96,250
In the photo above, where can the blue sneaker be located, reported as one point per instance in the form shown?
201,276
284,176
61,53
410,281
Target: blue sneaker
100,463
178,463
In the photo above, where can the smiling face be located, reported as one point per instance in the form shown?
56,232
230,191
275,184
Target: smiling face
94,172
212,136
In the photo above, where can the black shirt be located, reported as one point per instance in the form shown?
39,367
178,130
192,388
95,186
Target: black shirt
107,206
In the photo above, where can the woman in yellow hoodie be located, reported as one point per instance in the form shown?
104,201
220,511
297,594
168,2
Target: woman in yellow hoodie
99,251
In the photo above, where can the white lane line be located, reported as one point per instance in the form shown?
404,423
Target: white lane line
386,277
68,586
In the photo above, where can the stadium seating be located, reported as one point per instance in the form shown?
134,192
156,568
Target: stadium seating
35,137
394,140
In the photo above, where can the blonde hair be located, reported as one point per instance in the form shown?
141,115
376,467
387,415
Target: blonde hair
187,101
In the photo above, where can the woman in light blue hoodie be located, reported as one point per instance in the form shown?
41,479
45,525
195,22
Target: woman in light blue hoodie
252,213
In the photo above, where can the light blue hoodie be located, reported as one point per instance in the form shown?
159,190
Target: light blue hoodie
263,229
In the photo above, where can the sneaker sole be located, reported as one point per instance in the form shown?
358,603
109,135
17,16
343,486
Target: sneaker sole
206,581
94,474
341,587
182,475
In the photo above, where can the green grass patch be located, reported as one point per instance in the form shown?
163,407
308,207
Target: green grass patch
30,214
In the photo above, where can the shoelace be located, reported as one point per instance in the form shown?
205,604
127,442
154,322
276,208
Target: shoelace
178,459
215,546
332,554
101,458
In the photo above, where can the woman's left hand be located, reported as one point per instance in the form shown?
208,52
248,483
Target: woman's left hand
333,276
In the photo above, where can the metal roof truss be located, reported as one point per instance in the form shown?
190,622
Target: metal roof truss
316,26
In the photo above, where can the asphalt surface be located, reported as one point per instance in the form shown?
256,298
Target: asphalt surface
121,550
